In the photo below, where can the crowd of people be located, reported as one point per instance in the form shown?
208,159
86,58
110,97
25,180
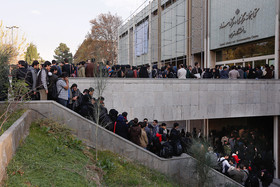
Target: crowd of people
244,155
169,71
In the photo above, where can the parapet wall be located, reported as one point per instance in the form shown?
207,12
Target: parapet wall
181,169
12,137
176,100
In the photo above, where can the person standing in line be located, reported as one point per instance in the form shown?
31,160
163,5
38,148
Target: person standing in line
62,86
182,73
233,74
42,81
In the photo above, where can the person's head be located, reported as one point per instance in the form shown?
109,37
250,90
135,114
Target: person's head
21,64
190,68
47,65
163,125
225,68
66,61
239,67
91,91
135,120
93,100
86,91
35,64
145,120
196,64
181,66
176,125
124,114
74,87
142,124
155,122
53,70
64,75
53,62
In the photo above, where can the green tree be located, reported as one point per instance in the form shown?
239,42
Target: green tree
31,53
62,52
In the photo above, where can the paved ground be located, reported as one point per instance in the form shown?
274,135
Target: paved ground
276,183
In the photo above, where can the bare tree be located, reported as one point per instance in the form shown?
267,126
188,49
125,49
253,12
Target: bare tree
104,30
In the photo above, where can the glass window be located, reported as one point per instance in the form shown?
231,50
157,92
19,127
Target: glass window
239,64
260,63
271,62
253,49
249,63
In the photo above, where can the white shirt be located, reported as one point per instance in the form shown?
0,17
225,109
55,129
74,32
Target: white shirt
182,73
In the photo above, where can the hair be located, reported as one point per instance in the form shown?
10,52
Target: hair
124,114
175,125
181,66
145,119
196,63
142,124
91,89
74,85
53,61
22,62
53,68
163,124
35,63
66,60
47,63
156,121
224,67
86,91
135,120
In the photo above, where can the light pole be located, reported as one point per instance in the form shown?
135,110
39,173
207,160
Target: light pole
12,27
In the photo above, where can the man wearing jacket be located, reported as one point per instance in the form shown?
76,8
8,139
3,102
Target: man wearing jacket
42,83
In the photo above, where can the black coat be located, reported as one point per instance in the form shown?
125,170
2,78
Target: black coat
121,127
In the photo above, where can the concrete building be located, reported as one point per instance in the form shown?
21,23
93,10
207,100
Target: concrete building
215,32
211,32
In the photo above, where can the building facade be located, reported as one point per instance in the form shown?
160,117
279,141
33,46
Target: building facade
215,32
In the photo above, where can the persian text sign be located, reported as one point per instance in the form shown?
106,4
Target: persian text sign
239,21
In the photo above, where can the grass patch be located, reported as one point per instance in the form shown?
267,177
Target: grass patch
121,172
52,156
14,116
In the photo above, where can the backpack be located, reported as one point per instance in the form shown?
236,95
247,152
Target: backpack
177,149
129,74
55,93
29,78
220,165
166,151
252,180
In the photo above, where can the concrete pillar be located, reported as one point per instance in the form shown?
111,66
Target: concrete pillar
188,126
277,39
159,34
275,144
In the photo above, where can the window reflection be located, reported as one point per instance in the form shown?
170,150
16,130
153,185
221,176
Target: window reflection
253,49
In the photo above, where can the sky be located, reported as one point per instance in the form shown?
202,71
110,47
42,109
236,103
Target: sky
47,23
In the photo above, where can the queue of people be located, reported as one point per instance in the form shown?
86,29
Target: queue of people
244,154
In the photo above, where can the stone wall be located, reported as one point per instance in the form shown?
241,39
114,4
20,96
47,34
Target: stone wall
175,100
180,169
11,139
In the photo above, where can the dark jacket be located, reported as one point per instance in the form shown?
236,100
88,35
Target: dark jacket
174,135
68,68
90,70
135,134
224,74
121,127
52,82
21,73
143,73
